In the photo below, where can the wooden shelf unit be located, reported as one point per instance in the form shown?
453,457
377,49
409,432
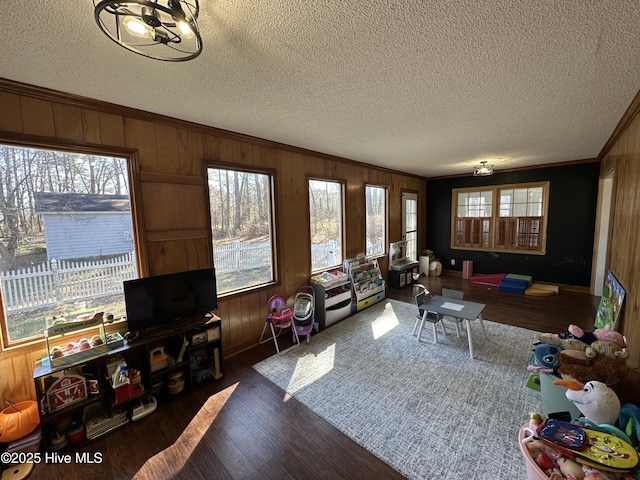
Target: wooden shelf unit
136,356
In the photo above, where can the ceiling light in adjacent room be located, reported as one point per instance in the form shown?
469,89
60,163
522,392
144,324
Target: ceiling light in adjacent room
483,169
161,29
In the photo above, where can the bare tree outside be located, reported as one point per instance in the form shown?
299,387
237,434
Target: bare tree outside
376,205
241,228
326,218
25,266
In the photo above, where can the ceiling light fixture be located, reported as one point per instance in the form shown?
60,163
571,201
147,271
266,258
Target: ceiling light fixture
483,170
159,29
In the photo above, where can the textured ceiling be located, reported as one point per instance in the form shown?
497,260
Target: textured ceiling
430,87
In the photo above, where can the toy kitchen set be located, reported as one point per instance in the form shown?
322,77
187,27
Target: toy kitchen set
401,268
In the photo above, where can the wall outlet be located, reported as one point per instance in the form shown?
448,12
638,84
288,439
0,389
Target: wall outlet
453,261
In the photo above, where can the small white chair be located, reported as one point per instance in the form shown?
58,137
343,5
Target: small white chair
426,316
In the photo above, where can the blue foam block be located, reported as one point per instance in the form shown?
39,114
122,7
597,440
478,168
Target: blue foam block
512,285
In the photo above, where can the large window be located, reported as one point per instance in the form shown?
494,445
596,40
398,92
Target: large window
376,220
473,219
510,218
241,206
326,219
66,238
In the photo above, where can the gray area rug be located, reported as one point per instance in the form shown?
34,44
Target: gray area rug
425,409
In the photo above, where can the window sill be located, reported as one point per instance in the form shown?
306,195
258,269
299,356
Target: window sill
493,250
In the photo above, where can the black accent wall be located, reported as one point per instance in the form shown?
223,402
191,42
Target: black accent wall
573,194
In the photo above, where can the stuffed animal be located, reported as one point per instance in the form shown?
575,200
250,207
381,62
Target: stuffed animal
623,380
597,347
595,400
598,334
570,469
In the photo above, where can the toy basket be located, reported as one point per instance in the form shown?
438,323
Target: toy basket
534,472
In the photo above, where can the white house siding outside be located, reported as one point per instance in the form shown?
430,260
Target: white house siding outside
84,235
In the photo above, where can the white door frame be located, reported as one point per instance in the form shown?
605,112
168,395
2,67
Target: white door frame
601,235
406,197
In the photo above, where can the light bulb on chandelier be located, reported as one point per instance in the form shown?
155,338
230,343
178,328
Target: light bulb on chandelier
483,170
160,29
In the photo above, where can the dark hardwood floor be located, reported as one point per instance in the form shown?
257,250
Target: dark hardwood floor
244,427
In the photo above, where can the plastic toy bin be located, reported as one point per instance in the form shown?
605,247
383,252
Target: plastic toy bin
534,472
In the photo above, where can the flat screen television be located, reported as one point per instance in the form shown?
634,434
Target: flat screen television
163,299
610,303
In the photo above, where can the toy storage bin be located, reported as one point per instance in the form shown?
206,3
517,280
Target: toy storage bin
71,343
534,472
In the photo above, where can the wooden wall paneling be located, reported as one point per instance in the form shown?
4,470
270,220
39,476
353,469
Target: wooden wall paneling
170,201
37,117
624,261
317,167
191,150
242,153
167,148
170,206
300,222
355,214
285,219
91,126
212,148
16,381
68,122
169,256
334,169
226,149
10,112
112,130
249,319
394,210
256,154
234,307
224,312
141,135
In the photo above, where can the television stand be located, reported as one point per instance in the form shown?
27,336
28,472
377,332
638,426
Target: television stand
83,391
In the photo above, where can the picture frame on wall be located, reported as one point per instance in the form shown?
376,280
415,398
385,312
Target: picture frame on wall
610,303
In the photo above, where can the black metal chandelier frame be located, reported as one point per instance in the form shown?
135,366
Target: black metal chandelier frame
164,30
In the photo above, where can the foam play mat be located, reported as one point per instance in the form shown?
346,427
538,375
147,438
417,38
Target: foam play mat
487,279
542,290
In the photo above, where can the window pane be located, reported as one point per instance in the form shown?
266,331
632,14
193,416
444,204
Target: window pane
534,208
519,210
325,213
241,226
375,224
520,195
506,198
66,237
474,204
411,217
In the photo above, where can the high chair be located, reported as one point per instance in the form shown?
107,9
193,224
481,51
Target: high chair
279,316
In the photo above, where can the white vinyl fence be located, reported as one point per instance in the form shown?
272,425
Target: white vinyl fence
52,282
239,256
326,255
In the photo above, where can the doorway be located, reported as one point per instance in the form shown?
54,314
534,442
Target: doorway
410,224
601,240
